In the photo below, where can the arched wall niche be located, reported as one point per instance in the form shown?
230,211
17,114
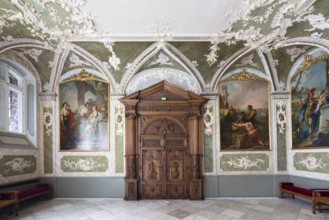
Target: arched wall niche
146,78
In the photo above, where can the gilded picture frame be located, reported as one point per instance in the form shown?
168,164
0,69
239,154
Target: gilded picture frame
83,113
244,111
310,104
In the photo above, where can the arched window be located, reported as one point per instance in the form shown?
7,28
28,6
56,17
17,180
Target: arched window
17,104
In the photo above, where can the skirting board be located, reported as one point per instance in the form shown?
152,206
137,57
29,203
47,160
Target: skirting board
243,186
214,186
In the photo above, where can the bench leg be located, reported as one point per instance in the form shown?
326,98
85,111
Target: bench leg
313,207
16,209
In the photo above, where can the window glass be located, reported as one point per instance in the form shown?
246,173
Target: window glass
13,111
30,109
13,80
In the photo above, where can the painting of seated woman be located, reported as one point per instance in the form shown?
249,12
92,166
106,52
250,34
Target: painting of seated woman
84,115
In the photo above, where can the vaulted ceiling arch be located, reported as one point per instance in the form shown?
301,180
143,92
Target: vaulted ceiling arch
61,56
11,43
227,63
150,52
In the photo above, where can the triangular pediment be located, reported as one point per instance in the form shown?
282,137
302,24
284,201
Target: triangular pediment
164,90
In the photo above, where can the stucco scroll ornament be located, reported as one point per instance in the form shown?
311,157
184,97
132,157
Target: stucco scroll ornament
208,119
281,117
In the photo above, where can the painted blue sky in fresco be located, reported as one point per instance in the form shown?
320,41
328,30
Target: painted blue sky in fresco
315,76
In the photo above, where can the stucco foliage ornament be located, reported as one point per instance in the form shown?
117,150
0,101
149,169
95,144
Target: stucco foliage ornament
244,162
113,61
162,60
43,18
312,163
316,35
75,61
281,117
208,119
119,119
248,60
82,164
294,52
247,24
18,164
195,63
162,30
46,87
48,122
34,53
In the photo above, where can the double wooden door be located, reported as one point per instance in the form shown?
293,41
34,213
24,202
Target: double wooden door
164,162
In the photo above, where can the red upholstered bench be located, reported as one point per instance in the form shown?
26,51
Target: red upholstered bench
15,196
288,187
38,190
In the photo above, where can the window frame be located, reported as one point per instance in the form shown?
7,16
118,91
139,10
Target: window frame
24,79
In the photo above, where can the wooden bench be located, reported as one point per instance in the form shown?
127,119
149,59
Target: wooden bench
290,188
9,198
320,200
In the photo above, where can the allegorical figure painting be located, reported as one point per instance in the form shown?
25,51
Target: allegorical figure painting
244,115
84,115
309,107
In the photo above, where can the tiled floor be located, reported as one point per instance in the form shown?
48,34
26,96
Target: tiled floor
219,208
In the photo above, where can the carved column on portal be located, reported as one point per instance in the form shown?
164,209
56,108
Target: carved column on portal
131,180
196,176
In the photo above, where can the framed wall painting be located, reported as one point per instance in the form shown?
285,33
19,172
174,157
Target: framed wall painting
84,113
244,113
310,104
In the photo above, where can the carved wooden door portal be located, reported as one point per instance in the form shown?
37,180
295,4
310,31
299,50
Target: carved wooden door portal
163,143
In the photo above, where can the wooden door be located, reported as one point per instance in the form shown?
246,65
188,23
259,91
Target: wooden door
163,163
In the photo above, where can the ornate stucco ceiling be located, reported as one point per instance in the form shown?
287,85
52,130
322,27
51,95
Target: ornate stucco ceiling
108,35
229,20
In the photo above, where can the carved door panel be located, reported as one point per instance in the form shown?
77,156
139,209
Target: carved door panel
163,175
176,174
164,162
152,175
